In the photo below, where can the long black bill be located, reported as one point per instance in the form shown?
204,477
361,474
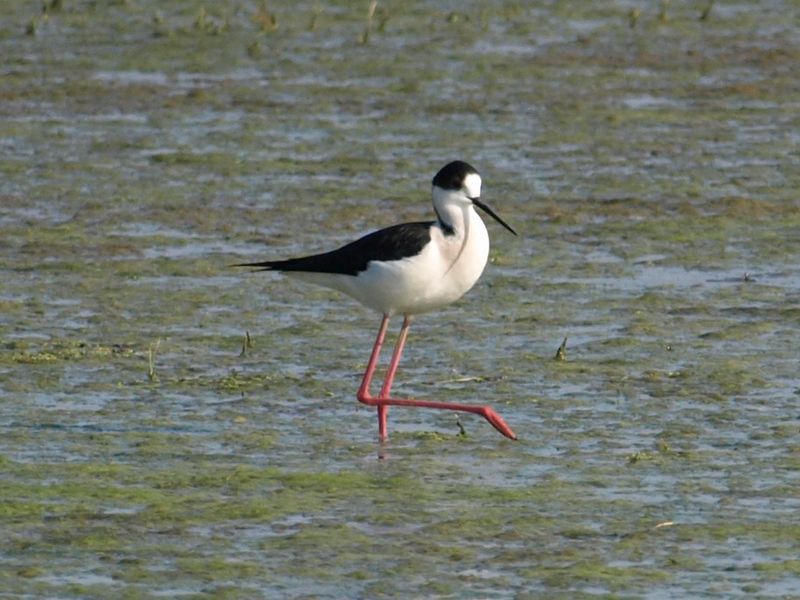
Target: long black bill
491,213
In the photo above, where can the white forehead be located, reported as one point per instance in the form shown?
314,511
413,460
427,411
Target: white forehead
472,184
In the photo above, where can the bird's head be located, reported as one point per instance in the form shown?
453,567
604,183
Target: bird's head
458,183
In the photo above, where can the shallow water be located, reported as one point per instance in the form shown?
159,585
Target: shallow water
652,171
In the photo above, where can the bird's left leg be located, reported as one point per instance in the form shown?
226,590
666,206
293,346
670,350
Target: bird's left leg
383,409
383,401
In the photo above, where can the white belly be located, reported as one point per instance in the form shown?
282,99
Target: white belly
444,271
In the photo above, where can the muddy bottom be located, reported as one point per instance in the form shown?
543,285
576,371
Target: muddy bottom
647,155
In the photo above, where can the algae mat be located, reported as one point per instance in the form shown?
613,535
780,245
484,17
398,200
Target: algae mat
647,154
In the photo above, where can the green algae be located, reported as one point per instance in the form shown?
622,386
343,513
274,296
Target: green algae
648,171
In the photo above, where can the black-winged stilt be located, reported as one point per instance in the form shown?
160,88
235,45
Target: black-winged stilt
409,269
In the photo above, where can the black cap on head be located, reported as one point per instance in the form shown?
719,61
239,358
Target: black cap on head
451,176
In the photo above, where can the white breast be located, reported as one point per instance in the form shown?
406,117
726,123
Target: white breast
443,272
446,268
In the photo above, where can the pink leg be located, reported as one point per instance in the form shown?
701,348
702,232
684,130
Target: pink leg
398,352
383,400
363,390
382,410
386,389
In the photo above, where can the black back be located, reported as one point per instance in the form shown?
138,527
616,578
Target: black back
393,243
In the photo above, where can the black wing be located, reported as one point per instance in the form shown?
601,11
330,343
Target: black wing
392,243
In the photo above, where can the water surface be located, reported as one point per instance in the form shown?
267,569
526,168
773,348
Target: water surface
649,161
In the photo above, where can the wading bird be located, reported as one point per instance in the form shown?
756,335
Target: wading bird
409,269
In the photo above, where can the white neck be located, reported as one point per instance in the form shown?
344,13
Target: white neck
453,209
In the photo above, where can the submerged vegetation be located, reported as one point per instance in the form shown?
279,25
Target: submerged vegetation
173,428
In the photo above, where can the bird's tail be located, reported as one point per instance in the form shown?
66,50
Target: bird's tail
269,265
306,263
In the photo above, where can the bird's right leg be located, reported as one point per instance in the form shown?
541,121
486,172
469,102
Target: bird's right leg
363,391
383,401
